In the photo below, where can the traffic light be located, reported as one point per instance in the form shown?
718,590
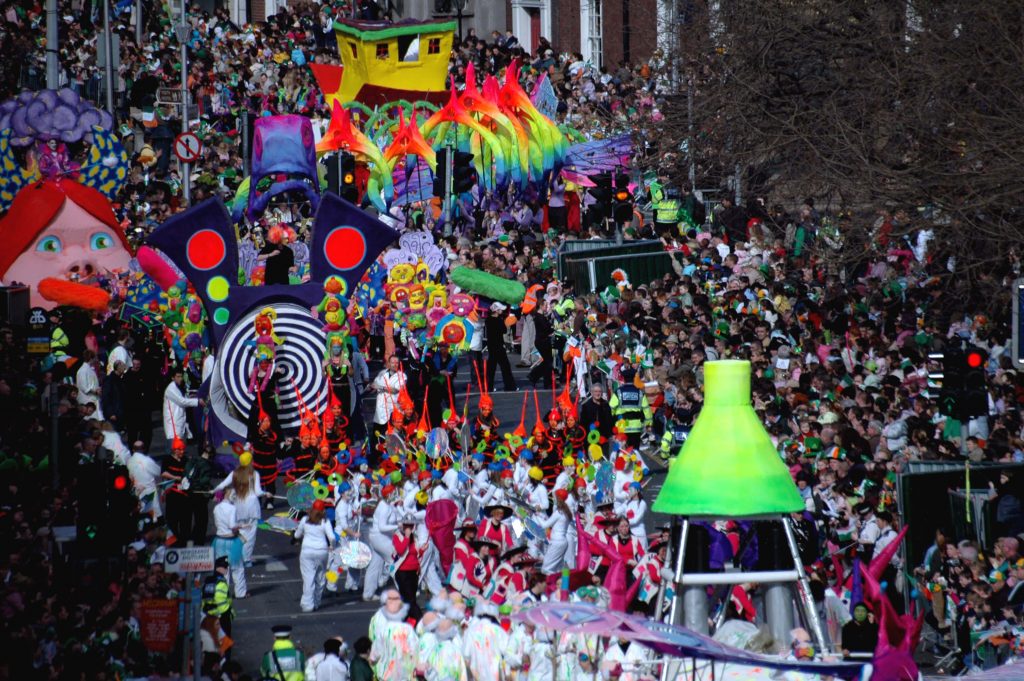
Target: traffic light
622,211
464,175
107,508
964,393
602,194
952,382
974,401
349,190
441,172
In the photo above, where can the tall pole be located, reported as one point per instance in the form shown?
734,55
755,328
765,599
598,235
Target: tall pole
197,644
689,140
52,53
108,45
186,182
138,23
54,434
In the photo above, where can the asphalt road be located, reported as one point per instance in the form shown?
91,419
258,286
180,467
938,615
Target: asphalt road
275,584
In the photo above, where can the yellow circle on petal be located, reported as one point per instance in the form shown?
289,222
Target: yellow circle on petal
217,289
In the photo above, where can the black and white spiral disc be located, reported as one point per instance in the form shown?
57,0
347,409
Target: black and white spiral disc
300,356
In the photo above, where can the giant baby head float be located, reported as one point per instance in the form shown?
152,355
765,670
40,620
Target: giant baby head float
60,239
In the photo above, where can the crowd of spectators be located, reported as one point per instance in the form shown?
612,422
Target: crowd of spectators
840,353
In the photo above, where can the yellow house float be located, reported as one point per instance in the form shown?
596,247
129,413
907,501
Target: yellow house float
383,62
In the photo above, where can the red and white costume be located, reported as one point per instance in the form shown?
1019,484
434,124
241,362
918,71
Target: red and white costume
500,534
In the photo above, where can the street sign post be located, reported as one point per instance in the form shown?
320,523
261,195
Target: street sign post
193,559
187,147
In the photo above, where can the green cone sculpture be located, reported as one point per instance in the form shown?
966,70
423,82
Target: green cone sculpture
728,467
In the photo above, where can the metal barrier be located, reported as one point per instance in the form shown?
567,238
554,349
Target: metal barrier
594,274
597,248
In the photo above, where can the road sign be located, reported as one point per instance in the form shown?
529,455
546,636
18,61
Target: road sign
187,147
168,95
195,559
38,336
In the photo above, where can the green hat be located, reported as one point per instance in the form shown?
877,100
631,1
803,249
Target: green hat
813,444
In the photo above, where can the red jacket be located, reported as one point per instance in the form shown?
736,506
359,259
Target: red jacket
406,551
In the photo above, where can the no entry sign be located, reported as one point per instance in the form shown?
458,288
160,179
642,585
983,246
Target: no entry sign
187,147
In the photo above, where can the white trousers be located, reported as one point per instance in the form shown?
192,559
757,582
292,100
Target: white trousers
558,555
430,570
376,572
313,566
237,581
248,536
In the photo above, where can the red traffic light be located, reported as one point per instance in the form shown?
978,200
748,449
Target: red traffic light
974,359
120,482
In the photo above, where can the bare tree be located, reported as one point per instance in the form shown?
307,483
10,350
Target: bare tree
865,105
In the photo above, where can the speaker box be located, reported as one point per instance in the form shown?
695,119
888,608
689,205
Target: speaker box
14,305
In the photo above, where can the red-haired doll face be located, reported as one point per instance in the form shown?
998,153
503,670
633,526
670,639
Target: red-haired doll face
75,245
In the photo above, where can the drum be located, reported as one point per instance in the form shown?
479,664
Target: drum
300,496
354,555
282,523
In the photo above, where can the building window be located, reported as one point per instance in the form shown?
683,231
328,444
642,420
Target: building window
355,51
434,46
382,51
409,47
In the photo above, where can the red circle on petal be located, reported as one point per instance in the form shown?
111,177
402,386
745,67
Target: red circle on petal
344,248
453,333
205,250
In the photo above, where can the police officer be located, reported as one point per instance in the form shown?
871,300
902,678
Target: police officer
676,432
217,595
284,661
59,341
629,404
665,204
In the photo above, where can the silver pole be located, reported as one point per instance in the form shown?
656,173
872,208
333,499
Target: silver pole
245,143
673,617
803,586
186,183
689,142
54,435
197,639
108,69
52,51
138,23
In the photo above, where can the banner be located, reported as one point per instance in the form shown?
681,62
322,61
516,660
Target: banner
158,624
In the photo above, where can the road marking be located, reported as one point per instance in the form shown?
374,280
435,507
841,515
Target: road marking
271,563
271,582
323,612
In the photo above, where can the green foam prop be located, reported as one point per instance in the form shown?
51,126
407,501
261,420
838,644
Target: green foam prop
489,285
728,467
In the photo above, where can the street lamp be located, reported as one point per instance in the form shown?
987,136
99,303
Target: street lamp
460,7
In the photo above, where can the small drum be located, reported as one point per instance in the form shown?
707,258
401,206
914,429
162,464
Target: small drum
282,523
300,495
367,508
355,555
